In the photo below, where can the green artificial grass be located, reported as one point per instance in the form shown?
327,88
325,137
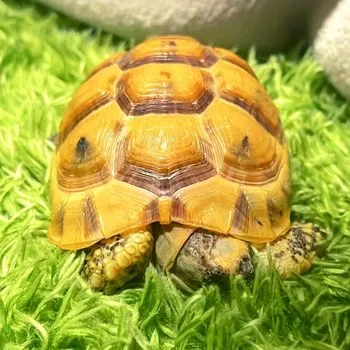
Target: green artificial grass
45,304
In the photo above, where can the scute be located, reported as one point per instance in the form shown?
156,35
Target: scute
175,88
116,207
163,153
172,131
77,172
246,152
234,59
237,86
96,92
163,143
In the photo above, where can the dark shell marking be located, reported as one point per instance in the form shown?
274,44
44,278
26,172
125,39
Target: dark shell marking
273,211
255,112
241,218
91,221
243,150
178,209
168,184
60,220
82,149
164,184
152,211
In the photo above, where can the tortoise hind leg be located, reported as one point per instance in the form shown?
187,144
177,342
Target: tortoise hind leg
114,261
295,251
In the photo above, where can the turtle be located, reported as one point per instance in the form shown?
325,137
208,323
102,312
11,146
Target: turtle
173,152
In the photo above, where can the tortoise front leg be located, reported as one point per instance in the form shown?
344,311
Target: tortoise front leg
114,261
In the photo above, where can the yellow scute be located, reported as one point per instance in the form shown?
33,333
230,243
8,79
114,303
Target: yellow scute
209,204
117,207
163,143
122,207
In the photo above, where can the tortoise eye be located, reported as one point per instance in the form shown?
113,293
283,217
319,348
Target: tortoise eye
82,149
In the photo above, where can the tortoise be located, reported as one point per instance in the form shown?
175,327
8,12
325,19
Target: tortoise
175,152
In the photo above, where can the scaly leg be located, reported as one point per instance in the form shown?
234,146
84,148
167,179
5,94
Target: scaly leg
114,261
295,251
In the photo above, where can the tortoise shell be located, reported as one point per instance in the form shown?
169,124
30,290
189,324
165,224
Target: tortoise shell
172,131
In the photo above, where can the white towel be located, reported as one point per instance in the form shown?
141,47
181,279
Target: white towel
270,25
267,24
332,46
